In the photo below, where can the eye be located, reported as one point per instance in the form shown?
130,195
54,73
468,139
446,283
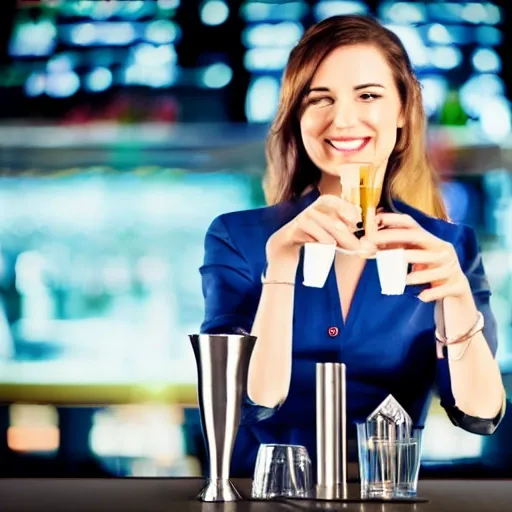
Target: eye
320,101
369,96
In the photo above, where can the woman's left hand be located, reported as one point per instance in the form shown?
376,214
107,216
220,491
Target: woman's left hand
434,261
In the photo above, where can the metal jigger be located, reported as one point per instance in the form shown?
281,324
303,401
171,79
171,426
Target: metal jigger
222,369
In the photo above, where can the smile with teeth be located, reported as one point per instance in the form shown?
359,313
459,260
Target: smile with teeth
349,144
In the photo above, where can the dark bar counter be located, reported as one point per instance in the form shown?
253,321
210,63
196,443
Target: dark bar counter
178,494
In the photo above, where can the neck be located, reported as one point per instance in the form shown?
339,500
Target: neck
329,184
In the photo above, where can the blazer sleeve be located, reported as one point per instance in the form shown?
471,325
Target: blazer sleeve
231,297
228,287
472,265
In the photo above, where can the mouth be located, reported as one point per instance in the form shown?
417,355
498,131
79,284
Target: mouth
349,144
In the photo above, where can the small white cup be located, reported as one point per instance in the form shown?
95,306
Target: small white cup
318,260
392,268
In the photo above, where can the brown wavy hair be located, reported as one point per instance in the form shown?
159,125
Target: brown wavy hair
409,176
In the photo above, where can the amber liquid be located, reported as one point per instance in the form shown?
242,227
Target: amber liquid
357,183
369,198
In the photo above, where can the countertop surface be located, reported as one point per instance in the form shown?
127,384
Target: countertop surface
179,494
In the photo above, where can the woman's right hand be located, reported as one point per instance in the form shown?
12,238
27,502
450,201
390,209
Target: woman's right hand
329,220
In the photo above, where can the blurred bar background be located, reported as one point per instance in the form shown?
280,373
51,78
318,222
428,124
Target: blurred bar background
125,127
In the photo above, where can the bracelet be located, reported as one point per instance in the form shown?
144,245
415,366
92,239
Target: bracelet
454,340
264,280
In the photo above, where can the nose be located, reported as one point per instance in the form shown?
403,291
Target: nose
345,115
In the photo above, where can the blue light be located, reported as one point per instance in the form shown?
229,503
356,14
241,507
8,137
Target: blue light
496,118
60,63
83,34
266,59
214,12
151,76
62,85
162,32
35,84
217,76
33,39
476,89
168,4
474,13
403,12
99,80
104,9
493,13
439,34
445,57
326,9
413,43
134,6
261,11
148,55
262,98
486,60
286,33
434,90
120,33
489,36
83,7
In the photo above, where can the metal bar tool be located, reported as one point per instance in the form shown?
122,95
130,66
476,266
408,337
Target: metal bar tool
331,431
222,369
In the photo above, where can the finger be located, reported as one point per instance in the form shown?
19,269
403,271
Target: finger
405,237
436,293
327,220
425,257
311,231
431,275
336,229
350,214
306,238
348,217
396,220
346,211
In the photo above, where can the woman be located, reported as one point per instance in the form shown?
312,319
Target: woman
349,94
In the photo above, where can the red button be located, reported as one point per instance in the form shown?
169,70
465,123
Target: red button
333,331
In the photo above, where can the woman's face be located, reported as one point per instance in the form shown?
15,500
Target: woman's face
352,110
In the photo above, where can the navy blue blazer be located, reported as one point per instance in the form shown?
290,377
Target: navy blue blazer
386,342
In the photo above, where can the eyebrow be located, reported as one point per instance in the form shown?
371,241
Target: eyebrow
356,88
364,86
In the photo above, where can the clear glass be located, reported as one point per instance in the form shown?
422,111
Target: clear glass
282,471
359,187
388,468
389,421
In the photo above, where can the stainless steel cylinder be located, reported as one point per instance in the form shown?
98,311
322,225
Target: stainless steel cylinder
331,430
222,370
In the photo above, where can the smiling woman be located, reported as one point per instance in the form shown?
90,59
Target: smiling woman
351,112
351,80
349,94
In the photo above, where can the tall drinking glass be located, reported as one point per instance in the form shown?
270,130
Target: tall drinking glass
360,187
388,466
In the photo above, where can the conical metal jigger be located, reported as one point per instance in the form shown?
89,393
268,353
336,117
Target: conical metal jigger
222,369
